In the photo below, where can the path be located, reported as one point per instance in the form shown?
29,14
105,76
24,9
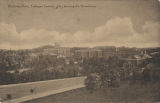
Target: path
20,92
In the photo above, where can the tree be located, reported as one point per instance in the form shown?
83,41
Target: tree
31,90
93,82
1,100
9,97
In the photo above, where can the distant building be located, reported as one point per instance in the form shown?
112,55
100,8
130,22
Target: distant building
107,51
64,52
95,53
82,53
127,51
107,54
57,51
137,59
50,51
88,53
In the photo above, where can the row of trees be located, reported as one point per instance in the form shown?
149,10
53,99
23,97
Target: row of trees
40,67
40,74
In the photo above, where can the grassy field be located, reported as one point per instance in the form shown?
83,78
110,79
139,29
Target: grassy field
127,93
23,89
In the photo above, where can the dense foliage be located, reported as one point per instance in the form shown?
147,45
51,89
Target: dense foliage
112,71
20,66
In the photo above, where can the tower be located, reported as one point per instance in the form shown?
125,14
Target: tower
56,44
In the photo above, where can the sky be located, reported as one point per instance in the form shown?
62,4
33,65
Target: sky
31,23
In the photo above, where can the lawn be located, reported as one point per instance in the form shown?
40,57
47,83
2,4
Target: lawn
126,93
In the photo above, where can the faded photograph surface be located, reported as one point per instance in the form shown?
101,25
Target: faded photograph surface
79,51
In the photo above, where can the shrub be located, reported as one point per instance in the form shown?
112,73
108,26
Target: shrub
93,82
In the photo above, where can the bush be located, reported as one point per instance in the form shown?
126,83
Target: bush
110,79
93,82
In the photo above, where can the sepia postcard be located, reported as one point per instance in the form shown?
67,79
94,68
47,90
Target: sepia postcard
79,51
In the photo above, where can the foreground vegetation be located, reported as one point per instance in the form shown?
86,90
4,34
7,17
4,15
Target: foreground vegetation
114,81
127,93
132,78
123,75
